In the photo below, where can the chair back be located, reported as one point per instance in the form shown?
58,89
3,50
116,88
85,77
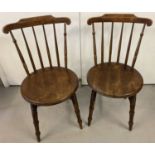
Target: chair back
123,19
32,23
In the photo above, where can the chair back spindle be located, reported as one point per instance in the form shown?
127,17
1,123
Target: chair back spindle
19,53
65,46
47,47
120,43
56,45
138,46
28,50
129,45
111,42
102,43
94,44
38,49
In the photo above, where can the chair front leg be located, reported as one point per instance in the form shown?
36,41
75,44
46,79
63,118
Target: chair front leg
35,121
91,107
76,108
132,100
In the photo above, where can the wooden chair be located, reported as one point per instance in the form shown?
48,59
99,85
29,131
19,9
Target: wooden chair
116,79
48,85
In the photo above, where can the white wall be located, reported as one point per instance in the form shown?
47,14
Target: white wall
146,58
13,71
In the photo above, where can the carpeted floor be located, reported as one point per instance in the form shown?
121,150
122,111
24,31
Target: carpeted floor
58,123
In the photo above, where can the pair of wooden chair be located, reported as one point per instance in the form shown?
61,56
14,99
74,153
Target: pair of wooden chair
55,84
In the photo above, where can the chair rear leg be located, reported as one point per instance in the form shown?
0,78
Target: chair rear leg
91,107
132,100
35,121
76,108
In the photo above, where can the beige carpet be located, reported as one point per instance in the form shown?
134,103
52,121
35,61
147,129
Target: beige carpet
58,123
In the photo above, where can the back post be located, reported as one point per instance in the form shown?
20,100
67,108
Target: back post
65,45
94,44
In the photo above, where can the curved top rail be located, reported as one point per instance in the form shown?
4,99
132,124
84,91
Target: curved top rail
129,18
34,21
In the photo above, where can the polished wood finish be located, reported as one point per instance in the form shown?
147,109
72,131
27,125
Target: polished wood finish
102,44
65,46
127,18
47,85
91,107
29,51
138,46
35,121
77,111
94,44
38,49
132,100
56,46
47,47
129,45
120,43
111,42
20,54
114,79
34,21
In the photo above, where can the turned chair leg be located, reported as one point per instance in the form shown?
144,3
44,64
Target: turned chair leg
91,107
35,121
77,111
132,100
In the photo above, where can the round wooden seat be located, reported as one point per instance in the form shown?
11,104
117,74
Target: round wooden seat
49,86
113,79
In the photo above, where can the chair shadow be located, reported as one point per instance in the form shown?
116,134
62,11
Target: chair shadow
100,113
104,114
69,120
